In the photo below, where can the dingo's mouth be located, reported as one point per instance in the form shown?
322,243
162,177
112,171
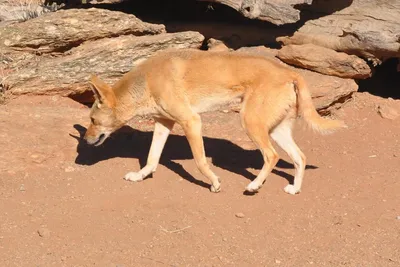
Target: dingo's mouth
101,139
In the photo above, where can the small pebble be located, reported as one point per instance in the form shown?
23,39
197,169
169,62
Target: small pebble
277,261
239,215
338,220
398,217
38,158
22,187
388,112
69,169
44,232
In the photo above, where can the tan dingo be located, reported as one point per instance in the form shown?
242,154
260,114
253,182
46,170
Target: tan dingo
175,86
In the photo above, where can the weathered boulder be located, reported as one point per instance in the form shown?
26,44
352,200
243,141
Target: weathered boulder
109,58
367,28
275,11
325,90
325,61
216,45
64,29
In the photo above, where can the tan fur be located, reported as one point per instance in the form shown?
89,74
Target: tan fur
175,86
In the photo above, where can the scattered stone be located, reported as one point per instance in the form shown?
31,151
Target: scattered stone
387,112
44,232
38,158
239,215
338,220
277,261
69,169
22,187
398,217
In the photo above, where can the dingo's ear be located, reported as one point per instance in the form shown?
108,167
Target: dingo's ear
102,91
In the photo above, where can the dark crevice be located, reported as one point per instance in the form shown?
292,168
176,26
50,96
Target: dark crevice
212,20
320,8
86,98
385,82
215,20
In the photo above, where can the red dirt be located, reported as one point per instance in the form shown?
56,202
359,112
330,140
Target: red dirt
86,214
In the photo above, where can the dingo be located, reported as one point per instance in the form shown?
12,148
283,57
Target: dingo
176,85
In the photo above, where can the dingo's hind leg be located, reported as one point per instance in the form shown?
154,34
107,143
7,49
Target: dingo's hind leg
257,128
282,135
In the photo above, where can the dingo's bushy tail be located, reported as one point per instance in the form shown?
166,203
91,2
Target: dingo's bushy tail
307,110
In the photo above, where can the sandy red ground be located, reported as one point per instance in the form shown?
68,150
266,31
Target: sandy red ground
87,215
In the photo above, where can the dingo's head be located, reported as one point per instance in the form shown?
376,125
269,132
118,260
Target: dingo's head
103,117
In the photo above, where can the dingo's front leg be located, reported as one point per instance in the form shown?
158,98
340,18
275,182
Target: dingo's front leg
162,129
192,128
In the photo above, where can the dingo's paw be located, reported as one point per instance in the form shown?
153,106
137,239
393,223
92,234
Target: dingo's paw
290,189
253,187
134,176
215,188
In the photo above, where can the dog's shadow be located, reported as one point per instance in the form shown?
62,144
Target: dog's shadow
130,143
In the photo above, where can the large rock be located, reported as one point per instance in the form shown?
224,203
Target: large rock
367,28
325,90
62,30
109,58
275,11
325,61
